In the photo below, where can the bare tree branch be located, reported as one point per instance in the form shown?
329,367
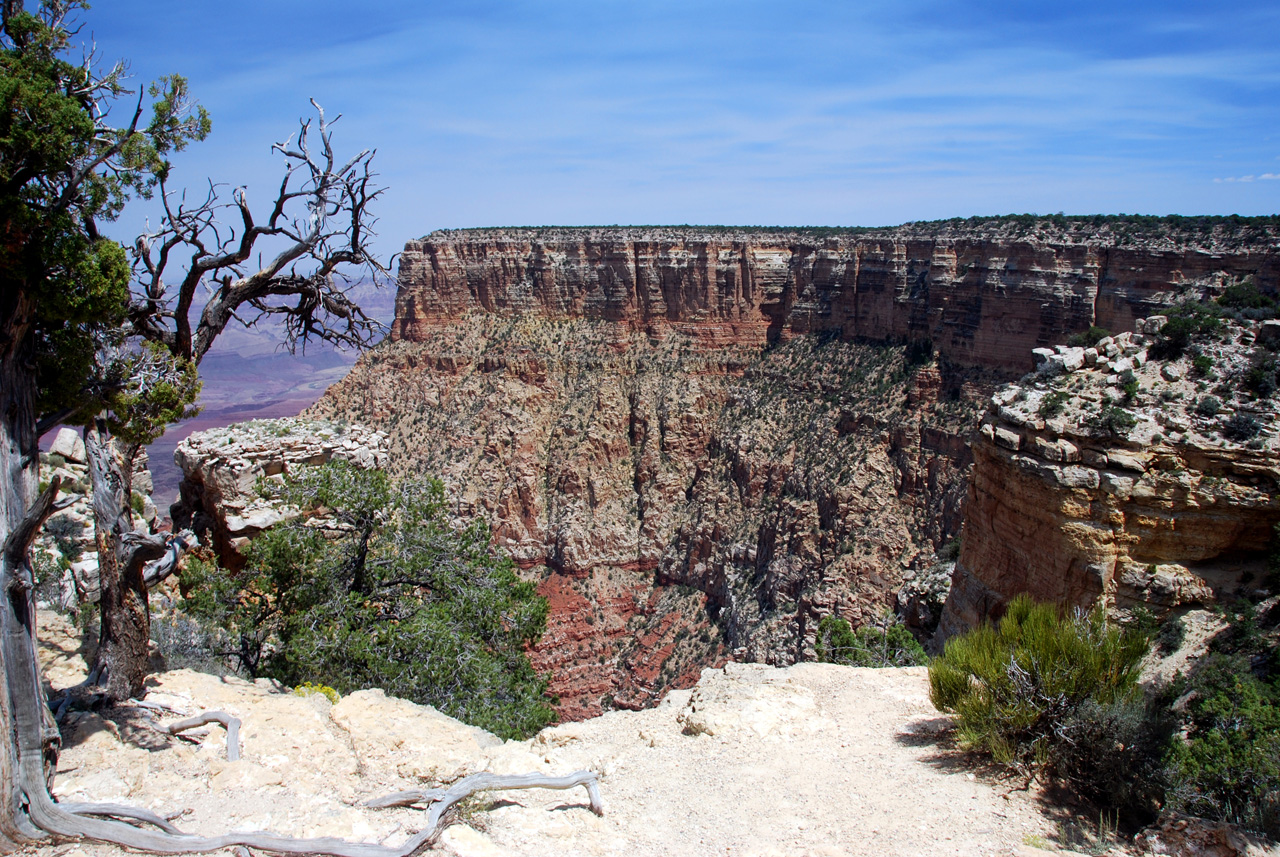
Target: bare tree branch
318,228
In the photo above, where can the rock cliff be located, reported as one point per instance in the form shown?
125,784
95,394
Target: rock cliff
704,441
1162,495
221,468
984,296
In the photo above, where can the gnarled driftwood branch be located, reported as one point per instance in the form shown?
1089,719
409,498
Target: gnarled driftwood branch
231,724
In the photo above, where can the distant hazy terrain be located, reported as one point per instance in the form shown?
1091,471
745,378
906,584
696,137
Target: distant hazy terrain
248,375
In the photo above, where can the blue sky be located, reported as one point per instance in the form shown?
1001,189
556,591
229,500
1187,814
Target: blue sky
832,113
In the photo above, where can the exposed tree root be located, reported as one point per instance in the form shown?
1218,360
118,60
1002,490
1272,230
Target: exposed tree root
232,725
79,820
119,810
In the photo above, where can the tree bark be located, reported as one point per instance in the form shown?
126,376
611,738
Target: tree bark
19,474
124,641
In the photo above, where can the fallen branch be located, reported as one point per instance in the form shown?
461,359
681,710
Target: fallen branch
468,786
232,725
56,819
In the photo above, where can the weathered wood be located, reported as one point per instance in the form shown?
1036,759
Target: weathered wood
124,642
230,723
58,820
119,810
484,782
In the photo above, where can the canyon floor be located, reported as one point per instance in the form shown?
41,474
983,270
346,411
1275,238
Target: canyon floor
813,759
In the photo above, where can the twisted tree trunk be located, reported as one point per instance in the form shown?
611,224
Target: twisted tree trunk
125,638
26,742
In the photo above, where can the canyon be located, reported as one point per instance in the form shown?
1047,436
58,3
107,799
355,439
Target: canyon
702,442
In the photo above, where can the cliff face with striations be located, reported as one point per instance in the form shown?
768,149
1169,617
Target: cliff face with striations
703,443
982,301
1169,506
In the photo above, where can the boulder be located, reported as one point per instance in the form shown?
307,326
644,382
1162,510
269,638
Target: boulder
68,443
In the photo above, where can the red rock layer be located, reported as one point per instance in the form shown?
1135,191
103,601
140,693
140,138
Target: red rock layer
981,302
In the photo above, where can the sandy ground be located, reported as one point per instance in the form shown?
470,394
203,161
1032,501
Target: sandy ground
810,760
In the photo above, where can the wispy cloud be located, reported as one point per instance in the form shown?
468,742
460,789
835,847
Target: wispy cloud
1265,177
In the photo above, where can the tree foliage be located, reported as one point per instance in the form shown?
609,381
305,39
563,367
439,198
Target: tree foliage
888,643
63,170
381,590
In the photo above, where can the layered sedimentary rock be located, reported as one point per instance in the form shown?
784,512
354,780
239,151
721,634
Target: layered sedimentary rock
1163,496
982,299
703,442
680,503
221,468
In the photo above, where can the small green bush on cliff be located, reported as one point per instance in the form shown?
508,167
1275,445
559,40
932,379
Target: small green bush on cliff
1089,338
882,644
1186,320
380,590
1111,421
1014,686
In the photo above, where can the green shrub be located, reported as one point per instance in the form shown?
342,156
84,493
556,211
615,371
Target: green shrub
1171,635
1228,767
1208,406
1089,338
1111,421
1245,295
387,594
1262,378
66,532
1013,686
887,644
1129,384
1185,321
1241,427
1053,404
1202,365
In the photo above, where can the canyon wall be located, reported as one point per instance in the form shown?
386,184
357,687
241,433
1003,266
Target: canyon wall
701,443
982,301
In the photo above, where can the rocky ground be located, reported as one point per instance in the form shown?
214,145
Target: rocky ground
808,760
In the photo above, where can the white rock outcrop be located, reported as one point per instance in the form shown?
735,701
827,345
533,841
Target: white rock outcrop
221,468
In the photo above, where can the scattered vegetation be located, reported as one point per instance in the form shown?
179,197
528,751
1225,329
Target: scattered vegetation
1053,404
1056,695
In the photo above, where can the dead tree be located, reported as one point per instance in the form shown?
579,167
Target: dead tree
316,234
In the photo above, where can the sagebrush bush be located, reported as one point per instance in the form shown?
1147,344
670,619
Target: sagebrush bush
1113,754
1014,685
